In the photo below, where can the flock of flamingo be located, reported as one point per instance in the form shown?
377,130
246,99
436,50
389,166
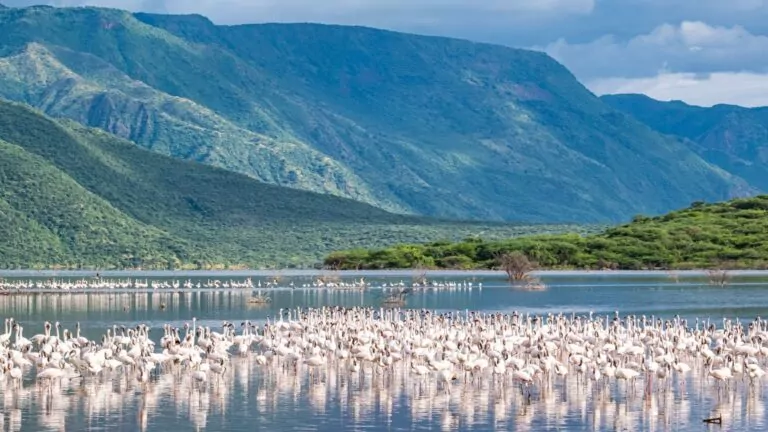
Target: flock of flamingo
507,349
512,358
102,284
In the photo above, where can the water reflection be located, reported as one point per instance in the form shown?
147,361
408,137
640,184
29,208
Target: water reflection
278,397
603,295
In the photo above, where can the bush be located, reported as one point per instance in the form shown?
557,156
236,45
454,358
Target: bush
732,234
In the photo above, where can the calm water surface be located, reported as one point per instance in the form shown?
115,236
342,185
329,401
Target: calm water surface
251,397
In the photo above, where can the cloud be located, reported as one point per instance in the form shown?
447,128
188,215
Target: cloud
712,5
737,88
692,61
691,46
510,22
608,44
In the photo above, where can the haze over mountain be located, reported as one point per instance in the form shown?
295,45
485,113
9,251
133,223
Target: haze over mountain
410,123
731,137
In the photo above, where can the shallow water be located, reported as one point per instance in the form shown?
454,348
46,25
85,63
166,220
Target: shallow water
250,397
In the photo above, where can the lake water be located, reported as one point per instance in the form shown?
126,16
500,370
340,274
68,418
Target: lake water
252,397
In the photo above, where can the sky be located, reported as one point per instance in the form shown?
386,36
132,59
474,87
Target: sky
703,52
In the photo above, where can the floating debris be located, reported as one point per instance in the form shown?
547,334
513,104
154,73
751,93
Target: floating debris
535,284
396,299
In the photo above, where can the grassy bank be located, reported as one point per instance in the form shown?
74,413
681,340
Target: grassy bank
732,235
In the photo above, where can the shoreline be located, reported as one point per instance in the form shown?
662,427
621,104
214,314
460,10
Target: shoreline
359,273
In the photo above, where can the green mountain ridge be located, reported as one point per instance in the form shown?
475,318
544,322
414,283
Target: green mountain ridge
106,98
409,123
731,137
73,197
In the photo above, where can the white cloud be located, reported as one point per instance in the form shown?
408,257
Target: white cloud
691,46
737,88
693,61
716,5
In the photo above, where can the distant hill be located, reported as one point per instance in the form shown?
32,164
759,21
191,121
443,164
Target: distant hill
731,137
719,236
74,197
413,124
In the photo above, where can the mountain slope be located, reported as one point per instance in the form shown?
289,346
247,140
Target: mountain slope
416,124
106,98
72,196
731,137
48,218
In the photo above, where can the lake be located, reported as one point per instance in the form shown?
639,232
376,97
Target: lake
248,396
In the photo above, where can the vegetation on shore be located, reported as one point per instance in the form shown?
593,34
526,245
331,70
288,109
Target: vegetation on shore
727,235
73,197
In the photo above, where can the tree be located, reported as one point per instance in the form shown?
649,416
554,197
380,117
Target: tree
516,264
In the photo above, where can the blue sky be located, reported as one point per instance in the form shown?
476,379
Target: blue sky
701,51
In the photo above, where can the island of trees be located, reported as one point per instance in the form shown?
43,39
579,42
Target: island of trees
728,235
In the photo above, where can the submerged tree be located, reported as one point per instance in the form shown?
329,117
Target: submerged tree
718,273
675,276
419,276
718,277
329,276
516,264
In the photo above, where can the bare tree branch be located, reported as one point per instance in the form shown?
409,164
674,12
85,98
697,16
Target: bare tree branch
718,277
516,264
419,276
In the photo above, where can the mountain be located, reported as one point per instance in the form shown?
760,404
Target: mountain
731,137
72,196
411,124
716,236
